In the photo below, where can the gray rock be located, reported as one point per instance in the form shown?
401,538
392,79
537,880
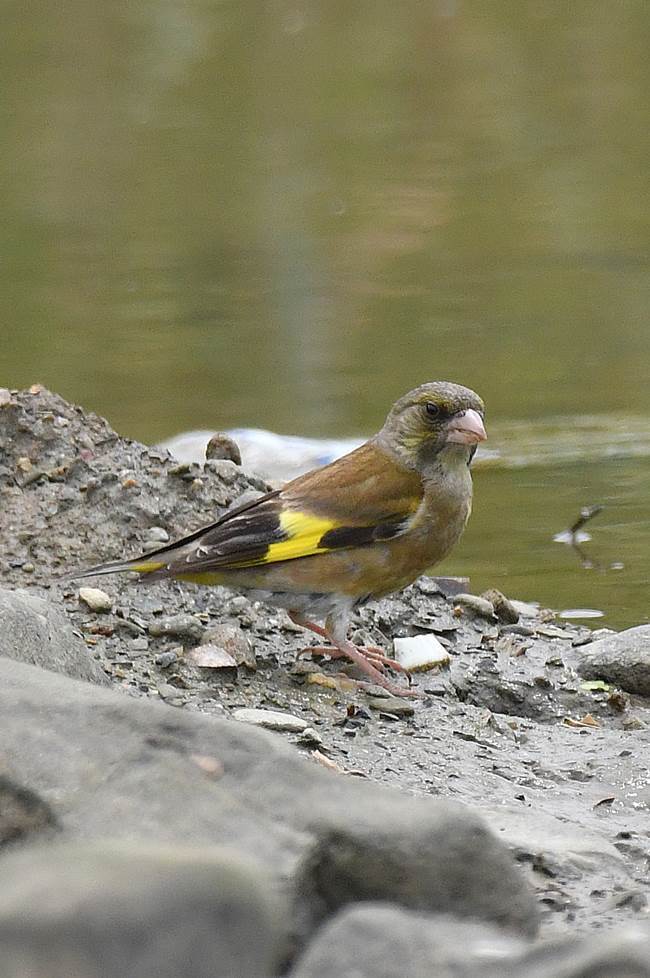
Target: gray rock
32,630
476,605
108,911
371,941
95,598
177,626
622,658
271,719
383,941
129,768
391,704
232,638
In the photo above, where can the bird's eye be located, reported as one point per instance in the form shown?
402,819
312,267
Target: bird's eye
433,410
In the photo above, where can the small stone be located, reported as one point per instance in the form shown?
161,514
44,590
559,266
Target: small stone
211,657
179,626
231,638
391,704
377,692
166,659
95,599
222,446
171,694
478,606
428,585
320,679
157,533
310,738
224,468
504,609
302,668
271,719
28,567
633,723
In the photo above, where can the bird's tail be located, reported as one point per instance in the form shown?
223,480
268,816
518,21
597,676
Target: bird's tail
139,564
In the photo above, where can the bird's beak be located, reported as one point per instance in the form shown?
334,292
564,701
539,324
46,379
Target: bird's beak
466,428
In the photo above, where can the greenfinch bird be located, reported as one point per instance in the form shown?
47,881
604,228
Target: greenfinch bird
362,527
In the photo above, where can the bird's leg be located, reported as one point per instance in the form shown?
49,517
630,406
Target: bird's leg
311,625
369,659
371,652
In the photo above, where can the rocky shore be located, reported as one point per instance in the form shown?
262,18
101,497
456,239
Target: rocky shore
149,826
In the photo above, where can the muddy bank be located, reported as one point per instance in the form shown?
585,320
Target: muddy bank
537,727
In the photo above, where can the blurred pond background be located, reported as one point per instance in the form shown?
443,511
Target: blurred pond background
286,213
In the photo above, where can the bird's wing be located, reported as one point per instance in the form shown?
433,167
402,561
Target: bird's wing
361,498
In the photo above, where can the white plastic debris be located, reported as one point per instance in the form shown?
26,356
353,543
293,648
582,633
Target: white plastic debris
421,653
571,613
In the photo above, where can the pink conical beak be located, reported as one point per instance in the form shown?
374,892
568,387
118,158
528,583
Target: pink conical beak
466,428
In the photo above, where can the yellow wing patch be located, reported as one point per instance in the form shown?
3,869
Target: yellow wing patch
303,532
146,567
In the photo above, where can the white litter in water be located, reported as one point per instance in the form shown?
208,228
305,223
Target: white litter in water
566,536
581,613
420,653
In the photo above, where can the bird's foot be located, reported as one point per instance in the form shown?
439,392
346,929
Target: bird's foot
374,655
370,660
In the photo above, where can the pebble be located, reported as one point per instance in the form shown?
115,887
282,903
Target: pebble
310,738
226,470
271,719
166,659
232,639
503,607
222,446
391,704
211,657
95,599
479,606
170,694
180,626
157,533
428,585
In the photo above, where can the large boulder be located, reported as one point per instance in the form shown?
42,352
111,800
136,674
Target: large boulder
622,658
370,941
32,630
107,911
112,766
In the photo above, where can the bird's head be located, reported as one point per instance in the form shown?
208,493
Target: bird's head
433,418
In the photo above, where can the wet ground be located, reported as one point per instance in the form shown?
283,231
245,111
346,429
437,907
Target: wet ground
556,763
